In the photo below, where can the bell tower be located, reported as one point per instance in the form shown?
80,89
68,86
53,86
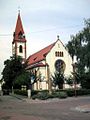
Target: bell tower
19,40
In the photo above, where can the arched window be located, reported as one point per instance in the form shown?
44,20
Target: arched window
56,54
60,65
62,54
20,49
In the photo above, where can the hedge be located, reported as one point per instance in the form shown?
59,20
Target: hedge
44,94
20,92
79,92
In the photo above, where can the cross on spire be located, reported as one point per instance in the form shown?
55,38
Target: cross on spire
58,37
19,9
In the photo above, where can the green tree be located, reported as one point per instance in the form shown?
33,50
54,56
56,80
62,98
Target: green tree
58,79
80,46
13,68
69,80
85,80
26,78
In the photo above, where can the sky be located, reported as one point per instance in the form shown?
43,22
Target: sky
42,21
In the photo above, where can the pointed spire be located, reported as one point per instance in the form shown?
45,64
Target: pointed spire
19,29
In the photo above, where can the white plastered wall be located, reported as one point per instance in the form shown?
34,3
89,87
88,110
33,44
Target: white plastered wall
42,85
23,47
51,59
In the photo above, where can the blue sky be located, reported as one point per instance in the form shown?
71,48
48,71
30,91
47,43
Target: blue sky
42,20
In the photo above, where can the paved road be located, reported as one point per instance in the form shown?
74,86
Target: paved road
12,108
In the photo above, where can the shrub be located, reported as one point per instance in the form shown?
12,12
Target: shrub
41,96
83,92
61,94
21,92
34,92
70,92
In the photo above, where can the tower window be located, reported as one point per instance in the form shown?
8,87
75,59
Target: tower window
20,35
20,49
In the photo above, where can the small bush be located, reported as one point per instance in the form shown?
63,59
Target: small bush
41,96
70,92
34,92
21,92
61,94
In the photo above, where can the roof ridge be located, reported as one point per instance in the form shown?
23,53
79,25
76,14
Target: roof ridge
42,49
40,55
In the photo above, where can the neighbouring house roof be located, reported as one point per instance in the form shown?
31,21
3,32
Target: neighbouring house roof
19,29
40,55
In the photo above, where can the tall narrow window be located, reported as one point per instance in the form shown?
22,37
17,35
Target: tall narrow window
56,54
62,54
20,49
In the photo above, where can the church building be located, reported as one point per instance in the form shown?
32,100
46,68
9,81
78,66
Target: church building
44,62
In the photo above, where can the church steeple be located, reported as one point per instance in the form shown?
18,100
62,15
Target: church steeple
19,32
19,40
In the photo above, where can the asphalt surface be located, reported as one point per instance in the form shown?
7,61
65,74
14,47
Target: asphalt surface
20,108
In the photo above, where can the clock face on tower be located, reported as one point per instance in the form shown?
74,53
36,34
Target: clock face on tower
60,65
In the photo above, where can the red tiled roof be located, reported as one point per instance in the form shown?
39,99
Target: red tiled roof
40,55
18,29
37,65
